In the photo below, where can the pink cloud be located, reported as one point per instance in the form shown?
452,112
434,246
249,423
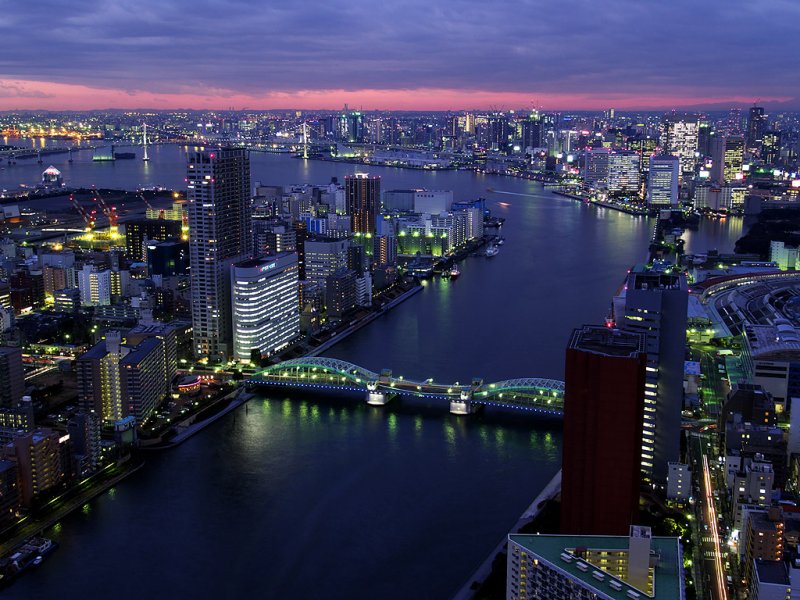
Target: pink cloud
25,94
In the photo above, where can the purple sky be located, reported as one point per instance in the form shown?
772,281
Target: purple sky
413,54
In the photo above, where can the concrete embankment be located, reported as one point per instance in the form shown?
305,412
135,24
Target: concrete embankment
550,491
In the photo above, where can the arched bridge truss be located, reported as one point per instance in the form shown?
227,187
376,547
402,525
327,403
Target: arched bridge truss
545,396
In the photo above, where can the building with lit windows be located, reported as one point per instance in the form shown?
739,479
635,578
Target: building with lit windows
140,231
12,377
655,304
679,482
363,199
603,417
756,126
38,458
117,380
623,173
323,257
596,168
220,234
679,137
95,286
602,567
727,156
265,303
662,184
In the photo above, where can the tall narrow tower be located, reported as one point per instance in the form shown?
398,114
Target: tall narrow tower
363,197
144,143
218,207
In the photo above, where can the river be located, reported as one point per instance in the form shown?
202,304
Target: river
312,499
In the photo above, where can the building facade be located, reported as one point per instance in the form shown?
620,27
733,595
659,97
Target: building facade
603,418
218,208
266,306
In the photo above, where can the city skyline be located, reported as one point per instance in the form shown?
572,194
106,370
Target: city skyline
414,57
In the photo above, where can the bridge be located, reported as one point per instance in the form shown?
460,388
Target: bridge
542,396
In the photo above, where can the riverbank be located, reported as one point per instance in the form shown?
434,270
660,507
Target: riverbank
339,336
638,212
37,525
477,580
189,427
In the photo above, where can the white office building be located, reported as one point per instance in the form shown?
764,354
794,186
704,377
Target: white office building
679,482
623,173
94,286
265,304
662,187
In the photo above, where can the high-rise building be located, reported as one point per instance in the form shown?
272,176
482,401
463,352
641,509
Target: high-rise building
39,465
679,137
623,173
727,156
756,126
595,168
142,382
655,304
340,293
84,435
607,567
662,184
323,258
118,380
771,148
12,377
95,286
603,418
140,231
99,387
218,201
363,198
9,493
266,307
531,132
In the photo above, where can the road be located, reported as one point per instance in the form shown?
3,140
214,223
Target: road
712,549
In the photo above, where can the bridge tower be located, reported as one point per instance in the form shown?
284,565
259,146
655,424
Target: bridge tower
463,404
376,397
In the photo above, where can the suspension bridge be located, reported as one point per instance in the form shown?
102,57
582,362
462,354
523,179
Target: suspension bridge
320,374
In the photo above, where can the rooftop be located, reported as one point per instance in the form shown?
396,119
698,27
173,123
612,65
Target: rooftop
772,571
607,341
667,580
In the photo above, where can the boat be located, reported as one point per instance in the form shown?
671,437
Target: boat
500,241
454,272
492,250
124,155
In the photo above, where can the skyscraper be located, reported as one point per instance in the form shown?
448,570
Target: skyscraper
218,206
727,156
771,147
756,126
679,137
12,377
655,303
662,185
595,169
623,173
603,418
363,197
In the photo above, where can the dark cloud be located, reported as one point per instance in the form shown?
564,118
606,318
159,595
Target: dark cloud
628,47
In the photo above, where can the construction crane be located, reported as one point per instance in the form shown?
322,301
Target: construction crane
88,217
111,214
161,211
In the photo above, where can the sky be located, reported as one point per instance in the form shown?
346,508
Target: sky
402,55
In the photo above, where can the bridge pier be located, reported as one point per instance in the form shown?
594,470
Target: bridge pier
462,406
376,397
